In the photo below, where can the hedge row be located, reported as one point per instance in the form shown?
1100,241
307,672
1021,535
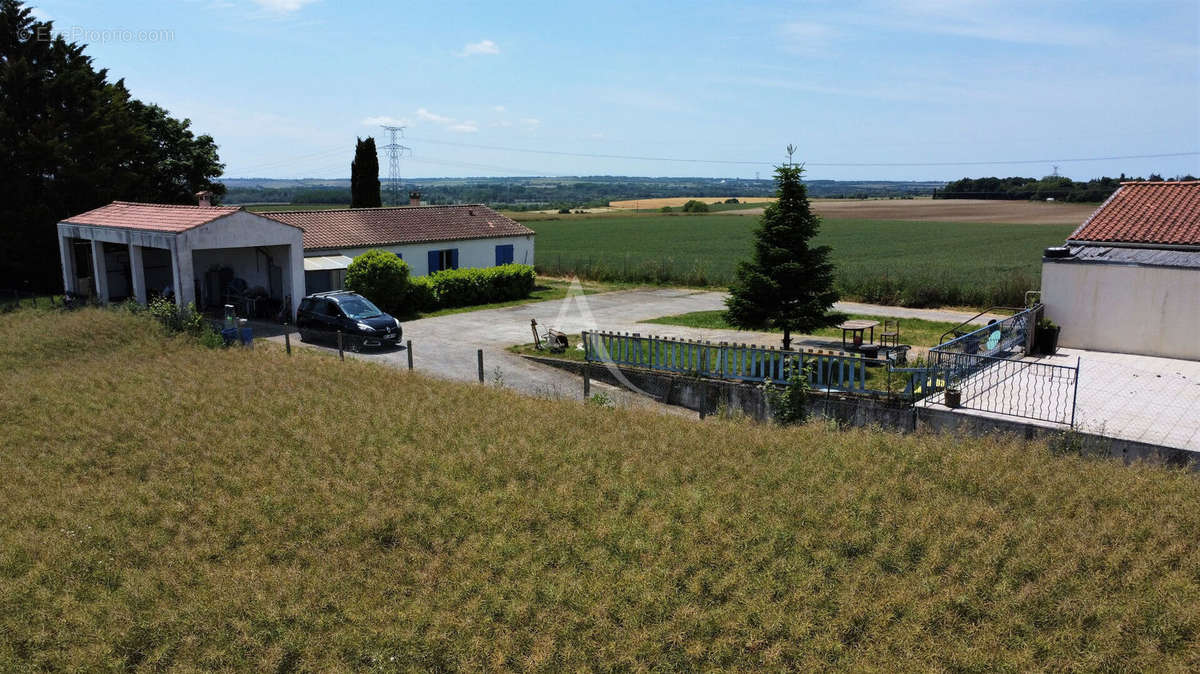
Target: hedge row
467,287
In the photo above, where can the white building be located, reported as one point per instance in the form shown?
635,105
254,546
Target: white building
1128,280
263,262
428,238
132,250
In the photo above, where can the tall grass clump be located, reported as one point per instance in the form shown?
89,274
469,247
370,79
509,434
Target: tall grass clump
167,506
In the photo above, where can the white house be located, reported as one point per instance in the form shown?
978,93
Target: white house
1128,279
135,250
428,238
262,262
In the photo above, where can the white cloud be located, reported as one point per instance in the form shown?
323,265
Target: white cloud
464,127
498,108
384,120
432,117
282,6
480,48
531,122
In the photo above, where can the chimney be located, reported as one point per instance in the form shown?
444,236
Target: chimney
414,198
204,198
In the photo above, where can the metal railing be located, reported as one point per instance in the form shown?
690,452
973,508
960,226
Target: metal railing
1023,388
990,370
750,363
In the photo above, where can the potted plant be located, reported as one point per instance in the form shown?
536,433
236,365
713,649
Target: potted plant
1045,337
953,395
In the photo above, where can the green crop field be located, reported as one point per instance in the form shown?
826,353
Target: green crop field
172,507
881,261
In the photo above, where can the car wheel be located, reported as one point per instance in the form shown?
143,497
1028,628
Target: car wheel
305,337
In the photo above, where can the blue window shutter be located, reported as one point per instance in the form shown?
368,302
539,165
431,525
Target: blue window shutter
399,255
454,258
504,254
434,259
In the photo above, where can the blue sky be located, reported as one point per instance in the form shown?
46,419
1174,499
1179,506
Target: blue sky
285,85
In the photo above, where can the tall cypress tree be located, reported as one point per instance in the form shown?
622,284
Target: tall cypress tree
364,175
788,283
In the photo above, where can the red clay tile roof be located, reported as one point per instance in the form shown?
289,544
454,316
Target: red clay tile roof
153,217
1158,213
359,227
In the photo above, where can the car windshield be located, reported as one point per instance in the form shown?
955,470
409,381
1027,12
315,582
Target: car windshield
359,307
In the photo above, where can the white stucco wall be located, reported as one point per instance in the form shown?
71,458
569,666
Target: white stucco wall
192,251
1152,311
471,252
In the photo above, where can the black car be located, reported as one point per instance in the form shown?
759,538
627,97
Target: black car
322,315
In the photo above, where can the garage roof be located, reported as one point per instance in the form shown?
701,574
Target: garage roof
1146,213
151,217
327,262
361,227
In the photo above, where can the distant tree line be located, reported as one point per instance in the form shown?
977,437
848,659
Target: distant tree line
1058,188
521,193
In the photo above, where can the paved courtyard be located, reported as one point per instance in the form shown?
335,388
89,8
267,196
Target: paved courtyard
1142,398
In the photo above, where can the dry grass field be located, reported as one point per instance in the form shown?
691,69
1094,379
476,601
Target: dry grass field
955,210
171,507
927,210
674,202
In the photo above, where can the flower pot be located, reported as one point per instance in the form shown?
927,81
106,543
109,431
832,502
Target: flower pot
1046,340
953,397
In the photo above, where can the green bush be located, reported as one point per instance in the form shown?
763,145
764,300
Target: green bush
695,206
420,295
382,277
665,209
466,287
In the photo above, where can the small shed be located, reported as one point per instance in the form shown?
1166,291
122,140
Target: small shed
428,238
1128,279
203,254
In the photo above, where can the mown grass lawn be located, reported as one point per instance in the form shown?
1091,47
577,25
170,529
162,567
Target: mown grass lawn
166,506
914,331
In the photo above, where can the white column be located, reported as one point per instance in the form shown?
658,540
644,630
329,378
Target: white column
137,270
66,252
294,275
181,270
100,271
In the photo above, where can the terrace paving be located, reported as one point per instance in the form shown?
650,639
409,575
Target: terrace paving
1142,398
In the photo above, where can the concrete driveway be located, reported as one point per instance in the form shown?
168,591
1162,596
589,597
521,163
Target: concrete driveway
445,346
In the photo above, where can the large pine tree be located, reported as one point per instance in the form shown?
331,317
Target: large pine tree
364,175
788,283
71,141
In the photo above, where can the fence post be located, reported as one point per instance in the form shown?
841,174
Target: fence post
587,380
287,340
479,356
341,352
1075,393
408,349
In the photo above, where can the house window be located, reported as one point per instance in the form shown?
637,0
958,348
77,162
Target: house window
504,254
443,259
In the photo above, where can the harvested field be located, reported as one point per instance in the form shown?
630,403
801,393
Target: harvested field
955,210
674,202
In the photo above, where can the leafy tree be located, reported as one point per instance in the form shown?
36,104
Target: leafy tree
788,283
364,175
380,276
71,141
695,206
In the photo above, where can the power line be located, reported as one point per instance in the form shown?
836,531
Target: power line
595,155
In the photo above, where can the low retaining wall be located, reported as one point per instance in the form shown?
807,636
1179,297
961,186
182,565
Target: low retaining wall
713,396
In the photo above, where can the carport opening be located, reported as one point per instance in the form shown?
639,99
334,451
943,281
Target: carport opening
251,279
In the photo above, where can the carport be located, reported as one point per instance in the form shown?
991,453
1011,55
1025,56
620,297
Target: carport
207,255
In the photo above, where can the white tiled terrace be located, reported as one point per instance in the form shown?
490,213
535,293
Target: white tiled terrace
1142,398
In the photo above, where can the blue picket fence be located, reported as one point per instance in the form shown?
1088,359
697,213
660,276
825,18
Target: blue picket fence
751,363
